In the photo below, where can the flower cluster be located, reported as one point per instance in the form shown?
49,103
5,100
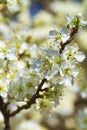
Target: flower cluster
23,67
76,21
59,67
16,77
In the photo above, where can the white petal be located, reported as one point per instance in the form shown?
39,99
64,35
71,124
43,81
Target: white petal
80,57
52,32
83,23
20,64
2,56
64,30
69,18
11,56
75,73
2,44
75,48
65,38
68,81
79,14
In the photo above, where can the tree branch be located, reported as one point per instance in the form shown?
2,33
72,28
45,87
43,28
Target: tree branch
4,106
80,102
31,101
74,30
34,97
5,113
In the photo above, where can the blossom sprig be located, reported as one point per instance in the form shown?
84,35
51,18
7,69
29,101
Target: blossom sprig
64,37
76,21
60,58
39,78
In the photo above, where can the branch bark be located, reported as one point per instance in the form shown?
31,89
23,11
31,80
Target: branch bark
73,32
80,102
5,113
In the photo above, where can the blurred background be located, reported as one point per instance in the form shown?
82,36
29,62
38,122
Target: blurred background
32,20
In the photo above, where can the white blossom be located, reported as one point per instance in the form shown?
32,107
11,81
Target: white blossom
29,125
80,56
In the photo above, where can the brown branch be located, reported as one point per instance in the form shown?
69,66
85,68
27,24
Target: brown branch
5,113
73,32
1,102
80,102
31,101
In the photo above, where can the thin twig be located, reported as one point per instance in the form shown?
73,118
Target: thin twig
73,32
